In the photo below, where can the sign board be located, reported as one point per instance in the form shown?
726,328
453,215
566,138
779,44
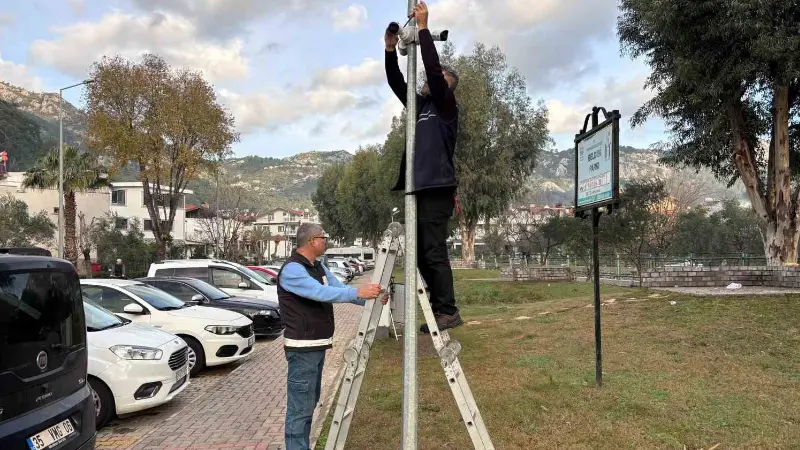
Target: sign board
597,165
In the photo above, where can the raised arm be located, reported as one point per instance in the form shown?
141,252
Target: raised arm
394,76
441,94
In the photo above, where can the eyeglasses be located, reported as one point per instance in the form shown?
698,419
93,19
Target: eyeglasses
320,237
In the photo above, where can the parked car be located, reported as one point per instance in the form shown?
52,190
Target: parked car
265,314
132,367
270,274
214,336
340,264
45,402
235,279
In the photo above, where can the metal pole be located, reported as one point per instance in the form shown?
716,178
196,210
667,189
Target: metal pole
61,173
61,164
596,268
409,434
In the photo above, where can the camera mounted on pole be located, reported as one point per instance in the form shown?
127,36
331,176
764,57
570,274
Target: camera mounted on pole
409,34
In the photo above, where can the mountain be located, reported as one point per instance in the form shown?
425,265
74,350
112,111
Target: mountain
276,182
30,122
553,181
29,125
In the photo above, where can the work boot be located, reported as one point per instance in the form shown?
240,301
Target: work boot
444,322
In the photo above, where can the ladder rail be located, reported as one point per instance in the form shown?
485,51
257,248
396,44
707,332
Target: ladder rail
357,354
448,350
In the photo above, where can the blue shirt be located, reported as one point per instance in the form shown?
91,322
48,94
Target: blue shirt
295,279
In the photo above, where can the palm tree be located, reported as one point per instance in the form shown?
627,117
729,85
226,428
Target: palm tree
259,235
82,172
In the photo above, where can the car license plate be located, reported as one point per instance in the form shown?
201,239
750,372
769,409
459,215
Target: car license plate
181,373
52,436
251,340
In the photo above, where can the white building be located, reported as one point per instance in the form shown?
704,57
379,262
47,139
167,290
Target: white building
127,202
90,204
283,224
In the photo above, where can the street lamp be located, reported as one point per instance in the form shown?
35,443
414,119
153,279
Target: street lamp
395,210
61,164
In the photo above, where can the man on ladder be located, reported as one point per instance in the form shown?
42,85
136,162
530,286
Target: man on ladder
434,173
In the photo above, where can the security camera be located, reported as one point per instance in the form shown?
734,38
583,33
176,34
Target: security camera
410,35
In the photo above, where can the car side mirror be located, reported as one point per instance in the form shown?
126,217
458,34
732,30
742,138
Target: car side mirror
133,308
197,298
244,285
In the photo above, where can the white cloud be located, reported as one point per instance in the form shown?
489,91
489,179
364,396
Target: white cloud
229,17
19,75
350,19
175,38
383,124
549,41
627,96
268,110
368,73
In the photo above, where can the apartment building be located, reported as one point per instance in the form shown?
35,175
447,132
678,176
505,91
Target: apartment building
282,225
90,204
127,202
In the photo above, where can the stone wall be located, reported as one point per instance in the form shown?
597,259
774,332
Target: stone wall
538,273
785,277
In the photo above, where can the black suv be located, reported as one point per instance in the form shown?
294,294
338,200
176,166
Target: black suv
45,402
265,314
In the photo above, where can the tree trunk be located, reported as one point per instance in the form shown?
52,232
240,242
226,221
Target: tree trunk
70,242
774,203
780,243
467,231
161,248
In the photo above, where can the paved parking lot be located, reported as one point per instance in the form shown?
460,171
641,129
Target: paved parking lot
237,407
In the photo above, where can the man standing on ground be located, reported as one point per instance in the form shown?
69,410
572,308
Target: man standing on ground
306,293
435,180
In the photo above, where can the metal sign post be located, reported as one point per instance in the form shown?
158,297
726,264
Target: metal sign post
597,190
409,435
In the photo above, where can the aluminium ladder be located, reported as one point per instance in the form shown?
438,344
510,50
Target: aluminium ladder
356,355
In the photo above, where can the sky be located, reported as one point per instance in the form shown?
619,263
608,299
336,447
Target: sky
301,75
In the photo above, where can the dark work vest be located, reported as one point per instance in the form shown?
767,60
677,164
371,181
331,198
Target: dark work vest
309,324
435,145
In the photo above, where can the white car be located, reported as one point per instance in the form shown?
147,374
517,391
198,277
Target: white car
215,336
232,278
132,367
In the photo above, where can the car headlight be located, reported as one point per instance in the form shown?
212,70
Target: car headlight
261,312
221,329
136,352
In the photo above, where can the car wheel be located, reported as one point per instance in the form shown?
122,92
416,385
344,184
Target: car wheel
196,356
103,399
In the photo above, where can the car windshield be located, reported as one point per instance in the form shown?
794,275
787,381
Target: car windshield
99,318
252,274
157,298
209,290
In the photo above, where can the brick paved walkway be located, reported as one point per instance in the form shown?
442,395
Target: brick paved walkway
243,410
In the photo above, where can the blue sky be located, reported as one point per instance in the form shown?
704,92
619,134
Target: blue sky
302,75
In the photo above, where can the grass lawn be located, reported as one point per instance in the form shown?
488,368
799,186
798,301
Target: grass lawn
700,373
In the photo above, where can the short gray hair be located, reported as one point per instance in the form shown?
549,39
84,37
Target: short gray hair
307,231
